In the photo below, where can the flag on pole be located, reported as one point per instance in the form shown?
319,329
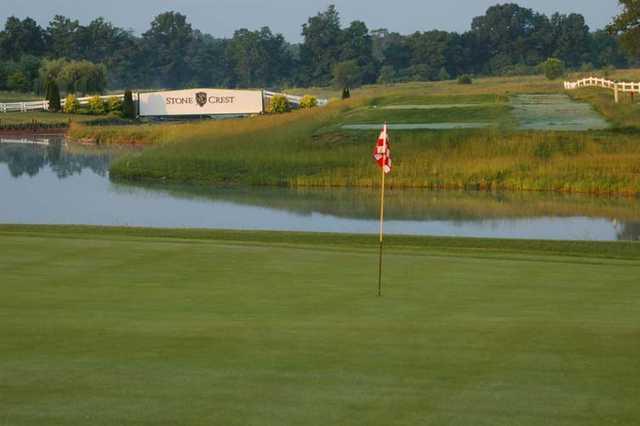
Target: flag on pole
382,156
382,151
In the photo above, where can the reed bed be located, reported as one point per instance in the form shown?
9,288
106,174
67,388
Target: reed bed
595,163
309,149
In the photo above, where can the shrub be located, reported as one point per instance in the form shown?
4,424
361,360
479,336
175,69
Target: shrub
53,96
96,105
279,104
553,68
346,93
308,102
114,104
465,79
71,104
128,107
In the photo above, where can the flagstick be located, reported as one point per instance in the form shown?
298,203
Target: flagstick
384,161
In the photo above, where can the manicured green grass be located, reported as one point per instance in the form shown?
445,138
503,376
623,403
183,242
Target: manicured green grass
114,326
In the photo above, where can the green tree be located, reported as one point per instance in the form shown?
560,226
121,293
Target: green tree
18,82
83,77
320,50
627,25
443,75
53,96
347,75
509,34
19,38
258,58
572,39
553,68
164,47
62,34
128,107
357,44
387,75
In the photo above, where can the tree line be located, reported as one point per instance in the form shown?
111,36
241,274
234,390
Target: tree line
507,40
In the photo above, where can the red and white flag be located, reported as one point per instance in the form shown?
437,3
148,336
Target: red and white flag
382,151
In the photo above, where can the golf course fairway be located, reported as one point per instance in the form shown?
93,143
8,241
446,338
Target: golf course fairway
133,326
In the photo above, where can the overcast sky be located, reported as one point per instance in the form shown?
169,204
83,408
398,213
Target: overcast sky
221,17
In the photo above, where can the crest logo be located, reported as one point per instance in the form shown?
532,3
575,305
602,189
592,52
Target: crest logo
201,98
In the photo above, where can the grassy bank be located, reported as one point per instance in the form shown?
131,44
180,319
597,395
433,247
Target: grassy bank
42,117
99,327
489,160
310,148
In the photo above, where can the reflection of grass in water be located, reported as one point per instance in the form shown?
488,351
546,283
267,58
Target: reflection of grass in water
410,204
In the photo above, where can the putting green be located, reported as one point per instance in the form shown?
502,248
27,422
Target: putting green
108,327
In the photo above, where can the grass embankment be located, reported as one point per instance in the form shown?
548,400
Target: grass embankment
279,155
119,326
42,117
311,149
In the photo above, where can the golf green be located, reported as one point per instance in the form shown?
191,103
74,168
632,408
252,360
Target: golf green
119,326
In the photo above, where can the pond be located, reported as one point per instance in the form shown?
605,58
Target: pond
57,183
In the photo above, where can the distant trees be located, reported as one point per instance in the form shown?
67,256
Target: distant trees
258,58
507,40
81,77
347,75
165,46
627,25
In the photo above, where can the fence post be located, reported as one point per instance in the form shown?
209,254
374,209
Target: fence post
616,94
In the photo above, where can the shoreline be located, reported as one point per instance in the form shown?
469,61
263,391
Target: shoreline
625,250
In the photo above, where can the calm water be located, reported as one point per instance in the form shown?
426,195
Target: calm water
53,184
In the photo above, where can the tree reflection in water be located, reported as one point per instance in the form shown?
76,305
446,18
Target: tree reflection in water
26,159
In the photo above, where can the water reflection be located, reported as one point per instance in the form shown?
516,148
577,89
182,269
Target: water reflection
24,158
69,184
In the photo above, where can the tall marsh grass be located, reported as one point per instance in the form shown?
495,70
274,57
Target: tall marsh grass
308,149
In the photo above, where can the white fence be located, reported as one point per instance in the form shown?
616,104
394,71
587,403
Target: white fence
44,105
616,86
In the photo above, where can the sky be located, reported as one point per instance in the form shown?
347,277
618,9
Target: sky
222,17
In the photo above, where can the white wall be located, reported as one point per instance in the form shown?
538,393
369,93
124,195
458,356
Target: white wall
201,102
